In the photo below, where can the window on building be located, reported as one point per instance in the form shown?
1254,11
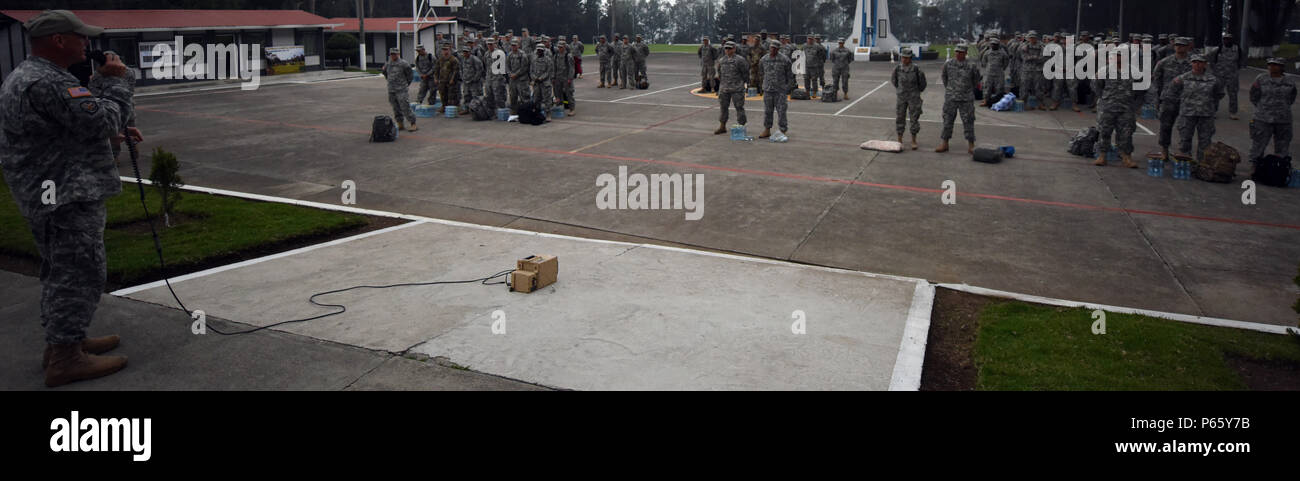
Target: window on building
310,42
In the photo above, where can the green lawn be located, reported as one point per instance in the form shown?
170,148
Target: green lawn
215,228
1023,346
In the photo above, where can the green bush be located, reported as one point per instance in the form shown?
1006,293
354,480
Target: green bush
163,173
342,46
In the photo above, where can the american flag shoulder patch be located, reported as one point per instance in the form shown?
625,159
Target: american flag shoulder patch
77,92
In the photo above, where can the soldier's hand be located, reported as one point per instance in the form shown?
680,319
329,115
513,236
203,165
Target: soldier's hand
113,66
135,134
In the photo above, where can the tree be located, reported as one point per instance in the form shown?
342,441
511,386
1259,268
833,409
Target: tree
341,46
163,175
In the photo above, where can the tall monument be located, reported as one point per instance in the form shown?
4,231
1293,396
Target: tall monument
872,29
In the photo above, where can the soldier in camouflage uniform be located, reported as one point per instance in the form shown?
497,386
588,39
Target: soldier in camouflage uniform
399,76
1227,61
541,71
627,60
495,94
909,80
1013,53
1272,94
787,49
959,78
840,59
1031,70
642,53
814,66
708,60
517,70
755,58
424,64
1197,94
577,49
733,70
1163,74
776,85
603,53
994,62
447,73
471,79
616,61
1117,101
563,78
56,131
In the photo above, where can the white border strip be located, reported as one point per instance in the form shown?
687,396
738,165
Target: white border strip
1208,321
194,275
916,333
855,102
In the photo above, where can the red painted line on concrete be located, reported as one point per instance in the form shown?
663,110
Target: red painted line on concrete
738,170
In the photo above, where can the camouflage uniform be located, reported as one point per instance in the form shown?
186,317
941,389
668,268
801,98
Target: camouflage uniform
840,59
1272,98
541,70
627,61
517,64
910,82
1116,115
776,78
755,58
495,94
448,74
616,61
1162,76
57,131
732,72
471,77
399,75
1013,51
563,78
642,52
1198,97
1032,82
428,83
994,62
959,81
815,64
708,55
788,49
1226,63
604,53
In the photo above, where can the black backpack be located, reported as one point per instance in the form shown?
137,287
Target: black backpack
799,94
530,114
479,110
1084,143
1272,170
383,130
830,96
987,156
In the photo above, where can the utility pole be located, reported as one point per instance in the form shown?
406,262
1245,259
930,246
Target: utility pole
1121,22
1078,17
613,18
361,20
1245,21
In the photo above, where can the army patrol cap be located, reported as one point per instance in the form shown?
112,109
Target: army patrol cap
464,49
1227,35
906,53
51,22
1182,41
394,50
1163,36
961,48
1032,33
1198,58
1277,61
419,47
841,40
729,44
514,42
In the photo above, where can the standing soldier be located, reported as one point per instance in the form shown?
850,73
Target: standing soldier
1117,116
471,78
541,72
994,62
959,80
577,49
1198,94
448,74
1161,79
708,58
910,82
627,61
525,41
563,78
495,95
732,72
1013,52
399,76
1031,69
787,48
1228,61
776,78
840,59
642,52
56,131
603,53
424,63
756,53
616,61
517,67
1272,94
814,66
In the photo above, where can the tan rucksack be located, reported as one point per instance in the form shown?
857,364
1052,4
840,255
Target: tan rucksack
1219,165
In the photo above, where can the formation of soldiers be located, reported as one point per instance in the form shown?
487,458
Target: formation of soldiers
622,63
501,71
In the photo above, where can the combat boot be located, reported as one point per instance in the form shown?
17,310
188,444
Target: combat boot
900,138
601,86
413,128
914,146
1128,160
943,147
1164,153
92,345
766,133
1233,116
722,128
401,125
1101,160
68,363
573,112
970,147
1076,108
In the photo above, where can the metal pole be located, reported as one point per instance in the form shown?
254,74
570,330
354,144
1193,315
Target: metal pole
1078,17
1245,22
1121,20
361,19
613,17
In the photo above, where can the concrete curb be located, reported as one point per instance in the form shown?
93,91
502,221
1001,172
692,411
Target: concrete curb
911,352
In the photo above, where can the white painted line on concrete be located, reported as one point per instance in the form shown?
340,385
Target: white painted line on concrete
855,102
1144,128
655,92
1209,321
911,352
259,260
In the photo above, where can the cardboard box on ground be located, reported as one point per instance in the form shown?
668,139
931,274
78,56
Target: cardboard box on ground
534,272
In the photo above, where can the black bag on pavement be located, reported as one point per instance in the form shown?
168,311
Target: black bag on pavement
383,129
479,110
1272,170
1084,143
987,155
799,94
830,96
530,114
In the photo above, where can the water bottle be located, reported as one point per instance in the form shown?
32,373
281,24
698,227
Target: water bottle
1156,167
1295,178
1184,170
